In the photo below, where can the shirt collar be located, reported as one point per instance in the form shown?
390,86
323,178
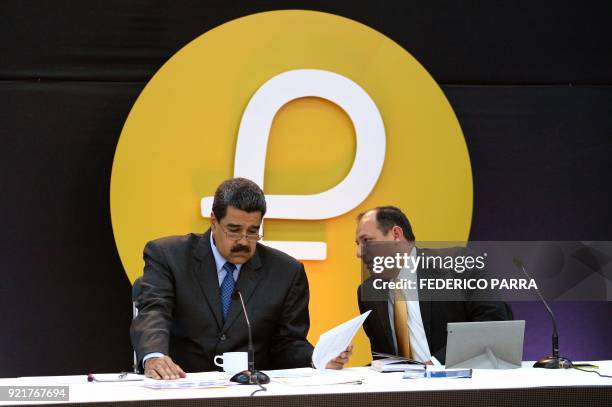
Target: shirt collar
219,259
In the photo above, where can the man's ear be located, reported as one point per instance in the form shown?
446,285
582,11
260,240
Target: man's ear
213,221
398,233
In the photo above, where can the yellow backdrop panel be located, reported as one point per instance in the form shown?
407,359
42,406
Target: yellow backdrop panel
178,144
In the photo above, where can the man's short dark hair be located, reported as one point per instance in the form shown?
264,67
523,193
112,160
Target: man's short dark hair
389,216
241,193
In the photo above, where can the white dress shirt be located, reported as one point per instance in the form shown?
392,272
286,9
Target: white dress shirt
418,340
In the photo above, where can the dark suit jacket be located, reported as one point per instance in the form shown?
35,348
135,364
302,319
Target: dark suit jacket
435,315
180,312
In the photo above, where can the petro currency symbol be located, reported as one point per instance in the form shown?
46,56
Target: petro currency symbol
252,143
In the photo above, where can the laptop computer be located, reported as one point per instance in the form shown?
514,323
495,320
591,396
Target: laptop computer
485,345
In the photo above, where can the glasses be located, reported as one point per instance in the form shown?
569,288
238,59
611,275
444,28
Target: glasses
251,237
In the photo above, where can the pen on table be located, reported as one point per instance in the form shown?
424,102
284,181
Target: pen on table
121,377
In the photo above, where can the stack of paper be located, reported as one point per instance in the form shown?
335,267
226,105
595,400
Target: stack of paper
397,364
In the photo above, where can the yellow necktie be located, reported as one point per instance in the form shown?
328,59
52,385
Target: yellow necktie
400,320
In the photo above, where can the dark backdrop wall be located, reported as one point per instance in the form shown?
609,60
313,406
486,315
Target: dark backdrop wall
530,83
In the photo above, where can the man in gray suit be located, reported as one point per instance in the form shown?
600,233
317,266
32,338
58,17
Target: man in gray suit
187,311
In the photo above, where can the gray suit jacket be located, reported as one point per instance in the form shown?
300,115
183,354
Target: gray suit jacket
180,311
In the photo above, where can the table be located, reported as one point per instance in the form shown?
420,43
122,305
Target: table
517,387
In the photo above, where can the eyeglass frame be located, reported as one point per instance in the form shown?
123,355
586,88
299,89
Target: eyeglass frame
240,236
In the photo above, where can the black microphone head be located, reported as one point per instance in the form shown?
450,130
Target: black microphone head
236,295
518,262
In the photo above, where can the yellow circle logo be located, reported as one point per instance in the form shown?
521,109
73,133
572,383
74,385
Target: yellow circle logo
369,127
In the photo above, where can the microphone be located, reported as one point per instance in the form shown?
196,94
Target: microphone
555,361
249,376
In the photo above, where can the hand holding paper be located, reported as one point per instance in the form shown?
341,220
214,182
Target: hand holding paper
339,361
334,346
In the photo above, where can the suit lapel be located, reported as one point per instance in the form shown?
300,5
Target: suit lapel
250,275
424,304
383,315
381,308
207,277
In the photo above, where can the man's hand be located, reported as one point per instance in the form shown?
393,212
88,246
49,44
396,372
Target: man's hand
163,368
339,361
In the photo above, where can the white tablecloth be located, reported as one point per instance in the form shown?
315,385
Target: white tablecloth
526,377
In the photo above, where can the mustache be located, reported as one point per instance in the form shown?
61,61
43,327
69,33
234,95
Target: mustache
240,248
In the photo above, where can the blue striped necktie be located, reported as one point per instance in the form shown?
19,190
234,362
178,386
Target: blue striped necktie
227,287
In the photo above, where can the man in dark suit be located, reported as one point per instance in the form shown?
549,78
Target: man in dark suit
187,311
414,329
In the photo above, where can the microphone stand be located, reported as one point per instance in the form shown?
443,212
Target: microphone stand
555,361
251,375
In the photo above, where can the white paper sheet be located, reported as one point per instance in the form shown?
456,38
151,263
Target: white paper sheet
291,373
335,341
187,384
323,378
